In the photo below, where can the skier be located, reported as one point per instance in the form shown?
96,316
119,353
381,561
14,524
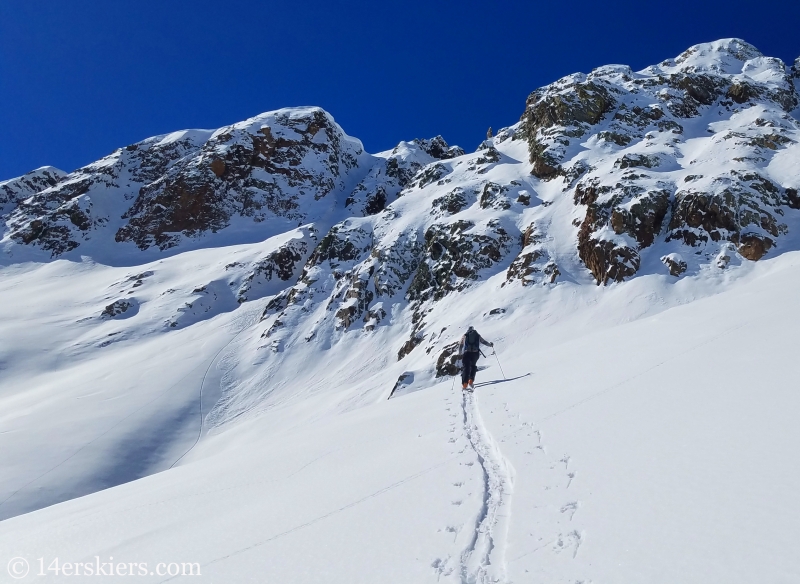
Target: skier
469,351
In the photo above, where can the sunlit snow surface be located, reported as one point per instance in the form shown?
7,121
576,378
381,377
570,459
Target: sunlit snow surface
657,450
643,431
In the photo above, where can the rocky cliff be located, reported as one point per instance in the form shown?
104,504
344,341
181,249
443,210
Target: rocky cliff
686,166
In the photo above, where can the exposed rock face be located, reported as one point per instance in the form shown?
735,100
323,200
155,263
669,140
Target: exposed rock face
331,274
447,363
385,181
688,159
67,214
16,190
439,149
685,168
494,196
281,265
451,202
554,114
264,167
533,264
675,264
634,189
183,185
455,253
117,308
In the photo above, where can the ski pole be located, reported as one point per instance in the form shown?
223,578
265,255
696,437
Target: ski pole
498,363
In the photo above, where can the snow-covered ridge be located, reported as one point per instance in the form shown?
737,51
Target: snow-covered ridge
16,190
684,168
236,306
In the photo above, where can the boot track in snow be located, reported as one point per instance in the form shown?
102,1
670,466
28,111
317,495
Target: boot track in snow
483,560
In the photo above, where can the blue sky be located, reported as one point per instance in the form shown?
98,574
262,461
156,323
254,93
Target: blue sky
81,78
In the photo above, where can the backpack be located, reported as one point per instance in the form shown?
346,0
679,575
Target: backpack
471,340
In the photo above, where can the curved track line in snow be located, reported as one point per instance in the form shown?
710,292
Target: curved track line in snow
325,516
248,323
641,373
483,561
247,318
96,438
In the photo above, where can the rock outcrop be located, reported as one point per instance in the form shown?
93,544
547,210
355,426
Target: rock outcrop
272,165
16,190
395,171
640,182
678,160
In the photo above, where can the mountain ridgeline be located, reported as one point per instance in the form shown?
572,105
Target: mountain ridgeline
686,166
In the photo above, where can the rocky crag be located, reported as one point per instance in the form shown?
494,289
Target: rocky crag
685,166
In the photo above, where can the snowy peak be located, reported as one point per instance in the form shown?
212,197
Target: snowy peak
167,189
273,165
698,149
725,56
668,169
16,190
89,202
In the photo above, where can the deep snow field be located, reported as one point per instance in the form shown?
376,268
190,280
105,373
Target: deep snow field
220,348
646,433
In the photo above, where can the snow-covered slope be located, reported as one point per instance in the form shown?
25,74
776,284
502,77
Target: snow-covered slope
234,307
658,450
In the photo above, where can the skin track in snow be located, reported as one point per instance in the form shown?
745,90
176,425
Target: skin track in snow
483,561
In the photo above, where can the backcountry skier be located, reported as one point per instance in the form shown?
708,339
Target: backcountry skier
469,351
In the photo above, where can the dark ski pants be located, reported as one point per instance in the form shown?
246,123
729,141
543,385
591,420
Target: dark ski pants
469,366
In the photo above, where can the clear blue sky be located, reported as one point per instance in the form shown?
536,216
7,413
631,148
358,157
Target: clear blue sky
80,78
